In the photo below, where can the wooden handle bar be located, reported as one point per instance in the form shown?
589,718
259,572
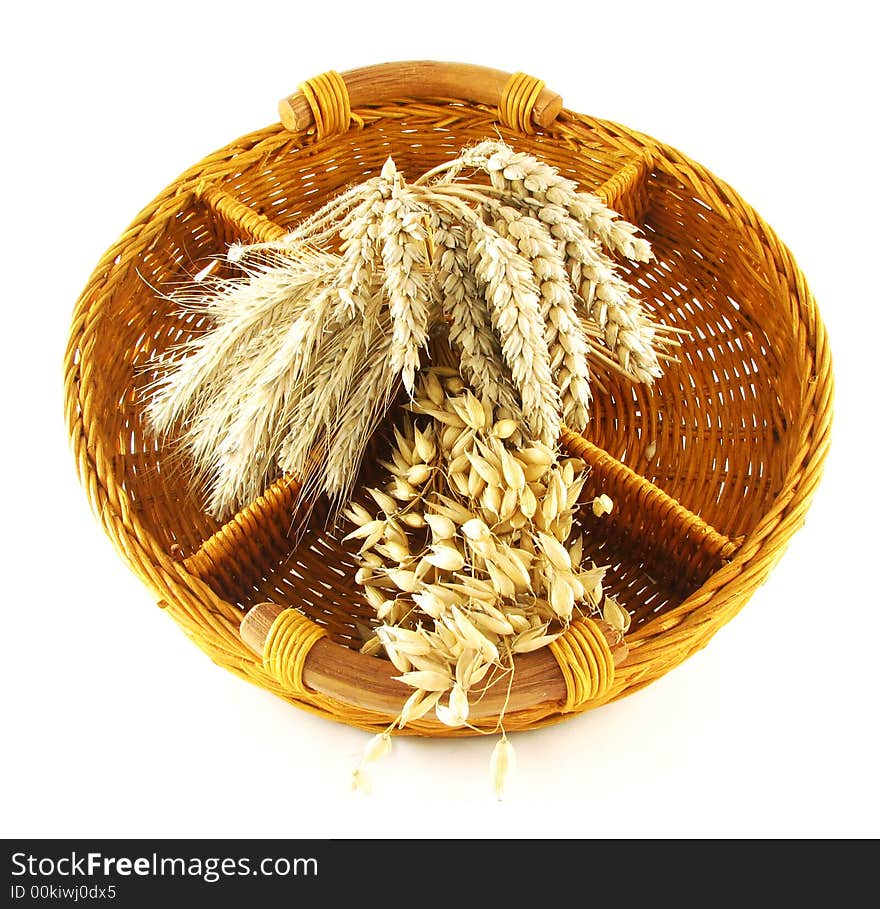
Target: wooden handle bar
421,79
368,682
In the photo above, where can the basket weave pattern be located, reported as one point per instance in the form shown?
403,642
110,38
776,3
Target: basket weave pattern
739,428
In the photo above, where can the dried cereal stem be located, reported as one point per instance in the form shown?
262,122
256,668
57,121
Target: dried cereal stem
308,346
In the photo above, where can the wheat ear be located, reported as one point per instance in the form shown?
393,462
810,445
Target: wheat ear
352,390
539,190
403,237
537,182
360,249
514,306
469,319
240,310
566,341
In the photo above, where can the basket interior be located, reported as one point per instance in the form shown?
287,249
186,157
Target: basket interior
723,421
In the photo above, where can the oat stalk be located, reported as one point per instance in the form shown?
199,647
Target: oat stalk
470,554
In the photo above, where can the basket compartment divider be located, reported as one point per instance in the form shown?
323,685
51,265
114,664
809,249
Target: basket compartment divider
677,547
627,190
240,218
261,533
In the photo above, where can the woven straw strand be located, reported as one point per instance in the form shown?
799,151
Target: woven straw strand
518,101
586,663
238,216
327,95
290,639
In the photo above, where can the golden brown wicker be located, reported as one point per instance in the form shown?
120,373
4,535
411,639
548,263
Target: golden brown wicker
711,469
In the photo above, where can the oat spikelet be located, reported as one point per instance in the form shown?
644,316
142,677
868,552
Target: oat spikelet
467,554
501,765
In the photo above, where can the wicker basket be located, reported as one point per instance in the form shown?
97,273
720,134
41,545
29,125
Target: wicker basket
711,469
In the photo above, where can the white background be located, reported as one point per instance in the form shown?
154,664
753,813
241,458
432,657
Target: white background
115,725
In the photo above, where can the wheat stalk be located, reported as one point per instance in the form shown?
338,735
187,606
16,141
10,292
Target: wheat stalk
309,344
536,183
402,235
334,216
468,555
372,390
470,324
566,342
319,400
279,396
358,259
229,435
579,222
510,289
516,317
241,310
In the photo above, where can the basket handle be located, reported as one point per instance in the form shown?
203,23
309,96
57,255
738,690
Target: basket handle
299,655
325,101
